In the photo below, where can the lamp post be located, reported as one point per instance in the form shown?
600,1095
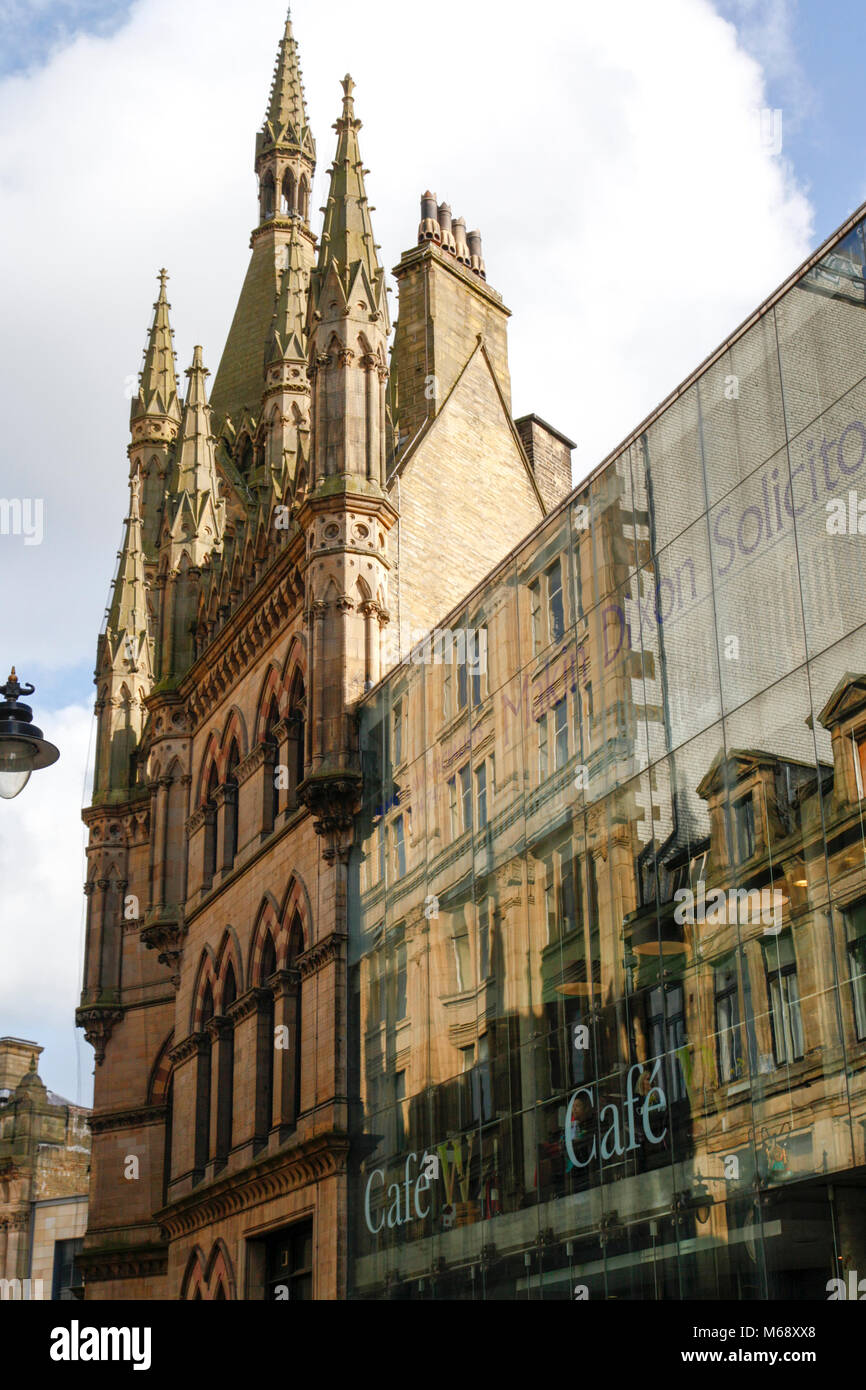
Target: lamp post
22,748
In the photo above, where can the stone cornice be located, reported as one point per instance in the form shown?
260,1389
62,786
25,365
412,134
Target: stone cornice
103,1121
126,1262
322,1157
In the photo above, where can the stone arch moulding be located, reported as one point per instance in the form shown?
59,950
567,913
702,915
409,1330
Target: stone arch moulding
229,953
160,1073
234,728
295,904
267,922
220,1271
296,660
206,976
194,1284
210,759
271,689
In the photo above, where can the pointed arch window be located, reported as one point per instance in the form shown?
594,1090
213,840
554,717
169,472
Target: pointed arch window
287,205
272,791
226,1071
265,1044
210,827
268,196
231,806
203,1087
293,1020
304,199
297,735
166,1156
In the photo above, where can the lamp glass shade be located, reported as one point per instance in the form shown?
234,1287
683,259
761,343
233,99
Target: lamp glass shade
17,760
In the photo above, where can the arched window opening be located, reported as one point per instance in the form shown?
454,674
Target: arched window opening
166,1153
246,456
210,827
203,1088
268,196
296,946
272,792
304,199
266,1043
226,1070
231,806
297,735
287,205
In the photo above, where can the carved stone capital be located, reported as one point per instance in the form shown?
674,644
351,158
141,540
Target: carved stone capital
226,794
331,947
253,762
197,820
189,1047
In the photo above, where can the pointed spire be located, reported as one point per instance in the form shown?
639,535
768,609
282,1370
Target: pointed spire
157,389
194,510
195,469
126,628
286,122
347,242
288,340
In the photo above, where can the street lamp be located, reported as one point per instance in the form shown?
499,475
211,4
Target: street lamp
22,748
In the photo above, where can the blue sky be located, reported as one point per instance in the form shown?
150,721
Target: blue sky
31,30
610,137
812,55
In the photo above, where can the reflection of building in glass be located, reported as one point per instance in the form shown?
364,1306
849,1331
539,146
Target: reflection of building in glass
476,895
609,993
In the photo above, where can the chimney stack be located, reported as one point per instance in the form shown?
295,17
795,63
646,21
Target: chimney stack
429,229
475,254
462,246
446,227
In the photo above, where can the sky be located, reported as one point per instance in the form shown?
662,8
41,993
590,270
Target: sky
634,204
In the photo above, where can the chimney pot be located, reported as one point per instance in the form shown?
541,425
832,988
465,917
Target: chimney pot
447,229
476,256
462,246
429,229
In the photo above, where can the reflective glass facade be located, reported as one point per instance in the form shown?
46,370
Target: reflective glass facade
607,1007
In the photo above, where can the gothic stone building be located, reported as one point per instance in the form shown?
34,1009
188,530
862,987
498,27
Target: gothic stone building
44,1171
287,539
477,868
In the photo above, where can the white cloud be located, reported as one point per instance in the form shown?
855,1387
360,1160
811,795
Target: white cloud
631,219
42,871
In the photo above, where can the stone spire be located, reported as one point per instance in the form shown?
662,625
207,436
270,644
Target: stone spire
126,627
154,421
347,243
285,165
157,382
193,524
194,510
289,333
124,668
286,123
